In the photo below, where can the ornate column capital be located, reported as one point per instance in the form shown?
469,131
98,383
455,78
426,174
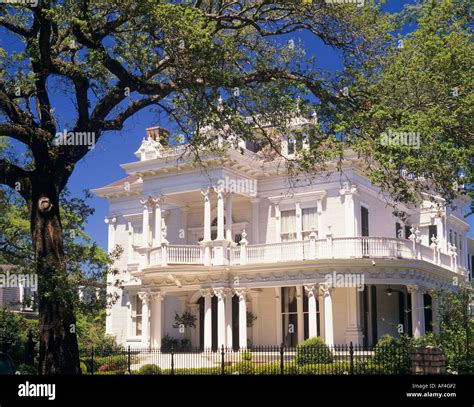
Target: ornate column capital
326,289
311,290
205,193
157,295
148,202
157,200
348,189
207,292
241,293
220,292
145,296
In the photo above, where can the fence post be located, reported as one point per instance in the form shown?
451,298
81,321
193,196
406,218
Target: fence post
222,360
281,359
351,354
128,360
92,360
172,360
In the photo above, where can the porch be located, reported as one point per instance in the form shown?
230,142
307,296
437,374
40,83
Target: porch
239,318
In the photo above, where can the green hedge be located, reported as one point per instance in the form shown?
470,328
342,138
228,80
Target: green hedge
194,371
149,369
312,351
109,363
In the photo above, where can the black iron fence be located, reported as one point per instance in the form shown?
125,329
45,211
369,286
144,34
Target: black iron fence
263,360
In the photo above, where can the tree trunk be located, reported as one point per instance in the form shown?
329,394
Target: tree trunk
59,353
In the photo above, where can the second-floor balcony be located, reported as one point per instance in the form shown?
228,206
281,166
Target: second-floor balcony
296,251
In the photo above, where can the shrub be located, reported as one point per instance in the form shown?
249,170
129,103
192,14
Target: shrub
339,368
168,343
83,367
27,369
112,372
313,350
245,367
149,369
246,355
194,371
267,369
393,355
116,362
290,369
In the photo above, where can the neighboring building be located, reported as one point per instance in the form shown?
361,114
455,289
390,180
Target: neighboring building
18,292
235,238
470,251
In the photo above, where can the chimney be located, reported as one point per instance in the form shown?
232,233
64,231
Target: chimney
159,134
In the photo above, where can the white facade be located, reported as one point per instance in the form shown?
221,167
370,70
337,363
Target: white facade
322,256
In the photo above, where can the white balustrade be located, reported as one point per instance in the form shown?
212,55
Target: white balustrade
184,254
297,250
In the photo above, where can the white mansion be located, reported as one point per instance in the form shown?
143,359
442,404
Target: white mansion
258,261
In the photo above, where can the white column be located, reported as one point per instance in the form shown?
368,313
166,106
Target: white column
111,221
300,315
129,318
220,214
417,310
156,319
242,294
228,317
312,292
299,220
349,210
207,214
183,233
158,222
255,220
228,217
354,329
129,242
146,223
221,326
441,233
207,226
319,214
278,325
328,317
145,297
277,223
207,294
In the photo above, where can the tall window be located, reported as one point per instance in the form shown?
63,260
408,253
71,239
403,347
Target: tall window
398,231
288,225
137,316
451,236
309,221
364,212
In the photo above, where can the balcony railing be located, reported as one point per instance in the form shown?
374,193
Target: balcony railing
301,250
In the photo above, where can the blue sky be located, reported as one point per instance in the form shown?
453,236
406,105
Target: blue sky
102,165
